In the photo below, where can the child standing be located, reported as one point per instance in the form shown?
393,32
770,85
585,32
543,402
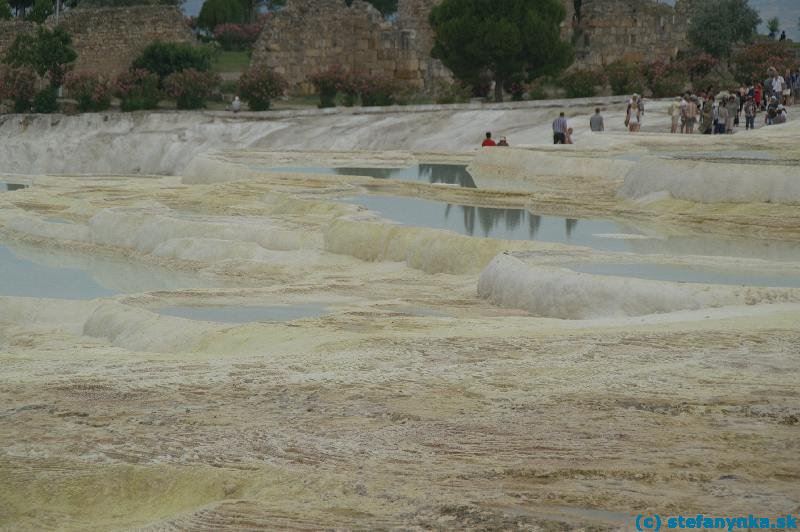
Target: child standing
750,114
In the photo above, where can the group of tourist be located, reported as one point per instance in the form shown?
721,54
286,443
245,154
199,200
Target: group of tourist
562,133
708,112
489,141
721,113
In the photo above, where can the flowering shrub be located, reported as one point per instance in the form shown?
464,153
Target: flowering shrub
329,82
260,87
191,87
373,90
517,90
456,92
46,101
665,79
671,84
19,85
377,91
137,89
752,62
625,77
165,58
351,87
697,65
92,91
582,83
237,36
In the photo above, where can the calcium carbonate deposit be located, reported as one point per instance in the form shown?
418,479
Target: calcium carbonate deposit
360,320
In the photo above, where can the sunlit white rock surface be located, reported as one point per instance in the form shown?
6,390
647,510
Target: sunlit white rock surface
453,382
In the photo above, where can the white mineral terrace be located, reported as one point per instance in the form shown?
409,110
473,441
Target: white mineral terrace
211,322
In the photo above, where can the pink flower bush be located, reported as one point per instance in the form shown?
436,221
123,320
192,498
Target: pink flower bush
190,88
238,36
259,87
18,84
138,89
92,91
330,82
377,90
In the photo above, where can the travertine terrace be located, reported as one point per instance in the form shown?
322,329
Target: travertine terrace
452,382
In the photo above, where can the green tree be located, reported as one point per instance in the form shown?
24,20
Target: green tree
718,24
165,58
5,10
41,10
216,12
502,39
49,52
773,26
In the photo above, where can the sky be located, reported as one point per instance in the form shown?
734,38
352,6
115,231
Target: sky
787,11
192,7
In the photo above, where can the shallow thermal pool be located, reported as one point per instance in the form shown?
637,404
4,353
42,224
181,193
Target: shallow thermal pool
30,272
245,314
606,235
448,174
507,224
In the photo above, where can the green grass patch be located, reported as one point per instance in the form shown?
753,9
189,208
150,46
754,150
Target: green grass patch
230,62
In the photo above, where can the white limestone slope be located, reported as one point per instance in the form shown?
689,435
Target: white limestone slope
713,182
561,293
517,169
165,142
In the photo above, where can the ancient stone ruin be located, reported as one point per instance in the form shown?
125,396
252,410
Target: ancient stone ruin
107,40
9,29
308,36
604,31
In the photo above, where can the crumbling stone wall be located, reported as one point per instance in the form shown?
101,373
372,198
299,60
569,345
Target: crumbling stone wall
107,40
9,29
634,30
308,36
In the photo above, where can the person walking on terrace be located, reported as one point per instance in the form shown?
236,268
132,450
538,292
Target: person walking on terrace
596,122
749,114
675,114
560,129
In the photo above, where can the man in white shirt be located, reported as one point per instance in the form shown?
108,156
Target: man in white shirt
778,84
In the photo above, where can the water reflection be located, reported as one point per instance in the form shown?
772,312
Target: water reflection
519,224
570,224
448,174
11,187
507,224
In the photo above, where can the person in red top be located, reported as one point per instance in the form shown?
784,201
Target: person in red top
488,140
